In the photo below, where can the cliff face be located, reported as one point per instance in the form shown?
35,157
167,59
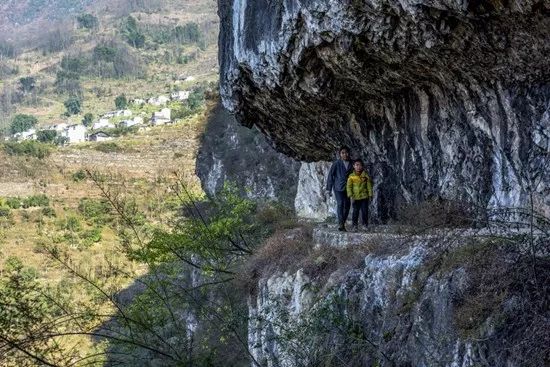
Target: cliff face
424,301
439,97
230,152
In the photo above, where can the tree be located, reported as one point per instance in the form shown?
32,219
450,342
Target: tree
132,33
46,136
67,82
73,106
121,102
27,84
88,119
22,123
87,21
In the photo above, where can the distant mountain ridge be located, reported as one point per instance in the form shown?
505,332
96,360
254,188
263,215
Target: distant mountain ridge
14,13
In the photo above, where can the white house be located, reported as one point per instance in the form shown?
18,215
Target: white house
162,117
75,133
100,136
158,101
138,120
181,95
26,135
138,102
60,127
103,123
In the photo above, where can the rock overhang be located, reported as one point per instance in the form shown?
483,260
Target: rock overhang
435,89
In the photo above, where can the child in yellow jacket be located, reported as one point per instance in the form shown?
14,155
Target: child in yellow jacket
359,190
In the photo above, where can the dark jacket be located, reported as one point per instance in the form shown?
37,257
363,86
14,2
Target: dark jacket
338,175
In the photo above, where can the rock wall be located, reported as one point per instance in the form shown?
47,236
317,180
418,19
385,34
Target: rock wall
444,97
397,308
230,152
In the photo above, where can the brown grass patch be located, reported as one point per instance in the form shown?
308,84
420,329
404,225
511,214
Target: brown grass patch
289,250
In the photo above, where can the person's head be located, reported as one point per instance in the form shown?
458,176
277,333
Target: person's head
344,153
358,166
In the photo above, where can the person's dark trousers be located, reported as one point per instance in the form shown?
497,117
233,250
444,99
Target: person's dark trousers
363,207
343,206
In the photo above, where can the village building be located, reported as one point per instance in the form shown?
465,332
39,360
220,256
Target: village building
138,120
103,123
75,133
60,127
182,95
158,101
161,117
100,136
26,135
138,102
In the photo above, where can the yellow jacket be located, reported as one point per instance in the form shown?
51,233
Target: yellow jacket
359,186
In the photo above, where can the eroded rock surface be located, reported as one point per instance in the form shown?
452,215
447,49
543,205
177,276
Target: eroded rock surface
441,97
231,153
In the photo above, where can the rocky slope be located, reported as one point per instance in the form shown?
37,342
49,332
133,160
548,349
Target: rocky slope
230,152
442,98
398,300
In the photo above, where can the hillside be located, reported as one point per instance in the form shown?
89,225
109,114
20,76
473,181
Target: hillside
94,58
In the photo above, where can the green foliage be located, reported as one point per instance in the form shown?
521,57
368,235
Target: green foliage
46,136
72,224
88,119
49,212
189,33
40,200
73,106
13,203
95,211
67,82
29,148
108,147
121,102
26,309
27,84
87,21
229,225
74,64
132,33
91,236
22,122
196,99
104,53
5,211
79,175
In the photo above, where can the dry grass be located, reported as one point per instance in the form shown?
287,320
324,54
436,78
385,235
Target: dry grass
289,250
437,213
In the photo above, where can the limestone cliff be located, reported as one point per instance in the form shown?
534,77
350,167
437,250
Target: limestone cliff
391,299
230,152
441,97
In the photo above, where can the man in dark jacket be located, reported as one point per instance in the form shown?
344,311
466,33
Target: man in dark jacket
336,180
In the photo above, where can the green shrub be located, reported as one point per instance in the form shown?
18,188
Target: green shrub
96,211
72,223
13,203
5,212
36,201
48,212
29,147
87,21
22,123
46,136
108,147
79,175
73,106
91,236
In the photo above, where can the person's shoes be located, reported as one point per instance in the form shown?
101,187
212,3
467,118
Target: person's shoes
354,228
342,228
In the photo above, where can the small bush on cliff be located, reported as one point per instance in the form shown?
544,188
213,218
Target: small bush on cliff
28,148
